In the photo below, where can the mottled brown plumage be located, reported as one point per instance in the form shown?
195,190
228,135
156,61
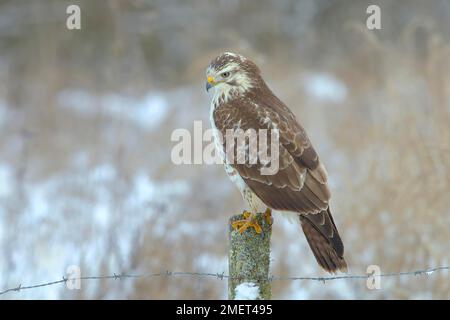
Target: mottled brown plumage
244,101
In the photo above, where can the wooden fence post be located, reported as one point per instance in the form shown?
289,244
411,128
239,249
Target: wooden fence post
249,261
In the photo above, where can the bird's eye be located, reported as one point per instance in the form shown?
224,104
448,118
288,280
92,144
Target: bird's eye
225,74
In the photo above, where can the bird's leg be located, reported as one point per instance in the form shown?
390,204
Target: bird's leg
249,222
268,216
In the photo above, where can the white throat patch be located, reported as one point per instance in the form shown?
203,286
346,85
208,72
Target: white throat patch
223,92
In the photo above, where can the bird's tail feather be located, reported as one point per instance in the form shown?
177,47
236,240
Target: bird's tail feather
324,240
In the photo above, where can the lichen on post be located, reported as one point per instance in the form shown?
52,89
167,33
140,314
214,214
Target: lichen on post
249,257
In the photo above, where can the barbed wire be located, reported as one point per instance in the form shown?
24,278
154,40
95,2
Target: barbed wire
222,276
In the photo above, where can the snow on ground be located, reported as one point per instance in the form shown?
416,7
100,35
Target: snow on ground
247,291
6,179
58,227
88,215
146,112
324,86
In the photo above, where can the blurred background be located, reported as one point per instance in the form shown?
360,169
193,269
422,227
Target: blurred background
86,117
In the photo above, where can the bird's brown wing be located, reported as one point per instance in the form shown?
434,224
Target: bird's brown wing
300,184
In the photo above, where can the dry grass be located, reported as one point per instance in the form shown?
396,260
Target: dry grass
386,146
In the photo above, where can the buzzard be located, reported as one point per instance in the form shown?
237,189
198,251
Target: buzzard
242,100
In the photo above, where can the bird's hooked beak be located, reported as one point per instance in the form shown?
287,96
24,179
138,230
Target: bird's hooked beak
210,83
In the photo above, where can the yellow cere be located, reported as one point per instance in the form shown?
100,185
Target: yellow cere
210,79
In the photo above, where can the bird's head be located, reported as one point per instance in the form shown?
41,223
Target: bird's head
231,73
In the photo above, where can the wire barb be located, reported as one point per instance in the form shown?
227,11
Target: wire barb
222,275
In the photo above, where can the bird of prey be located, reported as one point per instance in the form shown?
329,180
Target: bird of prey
299,188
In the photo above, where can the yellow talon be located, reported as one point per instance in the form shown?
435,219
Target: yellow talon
249,222
246,214
268,216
